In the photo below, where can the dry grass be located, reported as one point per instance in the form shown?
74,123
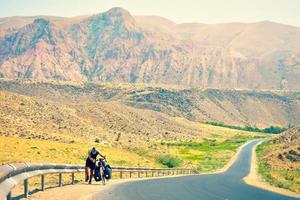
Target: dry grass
31,150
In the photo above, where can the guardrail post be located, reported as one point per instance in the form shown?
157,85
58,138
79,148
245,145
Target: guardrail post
146,173
59,180
130,174
26,188
121,174
8,197
43,182
139,174
73,178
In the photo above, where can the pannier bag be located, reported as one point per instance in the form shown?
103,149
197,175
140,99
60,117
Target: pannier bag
97,174
107,172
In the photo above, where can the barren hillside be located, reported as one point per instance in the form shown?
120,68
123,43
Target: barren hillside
66,119
159,103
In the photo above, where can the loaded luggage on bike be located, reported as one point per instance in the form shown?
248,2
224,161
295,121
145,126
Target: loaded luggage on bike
107,172
103,171
97,172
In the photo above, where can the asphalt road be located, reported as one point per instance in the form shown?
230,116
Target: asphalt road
225,186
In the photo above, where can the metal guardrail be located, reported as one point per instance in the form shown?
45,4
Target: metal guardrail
12,175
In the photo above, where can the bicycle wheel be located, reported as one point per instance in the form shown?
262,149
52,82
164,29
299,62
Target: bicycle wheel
103,177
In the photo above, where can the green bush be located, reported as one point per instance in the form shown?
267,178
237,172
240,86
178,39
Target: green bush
274,130
170,162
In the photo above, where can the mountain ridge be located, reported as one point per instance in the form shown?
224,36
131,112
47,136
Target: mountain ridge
118,47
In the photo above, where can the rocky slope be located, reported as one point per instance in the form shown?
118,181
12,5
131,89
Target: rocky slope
279,160
289,146
70,113
235,107
115,46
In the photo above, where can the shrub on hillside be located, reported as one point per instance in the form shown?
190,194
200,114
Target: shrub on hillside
170,162
274,130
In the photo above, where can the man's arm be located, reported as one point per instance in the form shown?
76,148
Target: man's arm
101,155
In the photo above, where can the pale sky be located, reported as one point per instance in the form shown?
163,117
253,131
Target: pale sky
202,11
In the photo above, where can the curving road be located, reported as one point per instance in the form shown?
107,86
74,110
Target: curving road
225,186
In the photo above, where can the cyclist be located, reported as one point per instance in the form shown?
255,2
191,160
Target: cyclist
90,164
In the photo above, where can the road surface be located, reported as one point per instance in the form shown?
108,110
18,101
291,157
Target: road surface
225,186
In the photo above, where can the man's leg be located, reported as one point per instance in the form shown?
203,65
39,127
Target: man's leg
91,175
87,169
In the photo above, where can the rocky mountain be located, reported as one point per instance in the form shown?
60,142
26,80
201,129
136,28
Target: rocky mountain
115,46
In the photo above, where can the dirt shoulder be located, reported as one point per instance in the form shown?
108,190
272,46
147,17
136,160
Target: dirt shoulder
255,180
83,191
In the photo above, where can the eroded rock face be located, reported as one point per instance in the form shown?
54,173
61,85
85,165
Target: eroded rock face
115,46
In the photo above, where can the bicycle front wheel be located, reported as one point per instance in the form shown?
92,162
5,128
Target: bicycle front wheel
103,178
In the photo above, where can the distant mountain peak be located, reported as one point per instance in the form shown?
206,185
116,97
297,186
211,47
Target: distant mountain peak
116,20
120,14
41,21
118,10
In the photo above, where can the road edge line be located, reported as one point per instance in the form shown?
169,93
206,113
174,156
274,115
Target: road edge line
254,179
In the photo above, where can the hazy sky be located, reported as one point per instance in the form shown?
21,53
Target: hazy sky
204,11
